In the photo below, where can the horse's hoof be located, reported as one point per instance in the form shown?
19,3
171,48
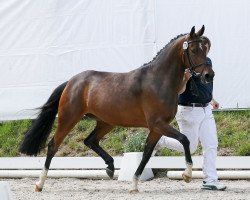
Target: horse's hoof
110,173
37,189
186,178
134,191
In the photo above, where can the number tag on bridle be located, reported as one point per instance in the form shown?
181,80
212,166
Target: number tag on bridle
185,45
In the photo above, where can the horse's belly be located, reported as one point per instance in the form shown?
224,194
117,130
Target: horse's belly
121,117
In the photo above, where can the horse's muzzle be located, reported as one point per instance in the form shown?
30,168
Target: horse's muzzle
207,78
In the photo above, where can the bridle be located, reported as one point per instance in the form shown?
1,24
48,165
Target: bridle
192,66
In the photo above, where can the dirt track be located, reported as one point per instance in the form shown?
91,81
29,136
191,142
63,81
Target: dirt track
159,188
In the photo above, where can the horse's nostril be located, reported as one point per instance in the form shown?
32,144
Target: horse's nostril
209,77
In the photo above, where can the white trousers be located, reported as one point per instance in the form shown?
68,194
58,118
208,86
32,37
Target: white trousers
197,124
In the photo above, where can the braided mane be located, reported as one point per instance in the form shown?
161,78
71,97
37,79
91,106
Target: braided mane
165,47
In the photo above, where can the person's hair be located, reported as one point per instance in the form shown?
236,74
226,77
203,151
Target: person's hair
206,41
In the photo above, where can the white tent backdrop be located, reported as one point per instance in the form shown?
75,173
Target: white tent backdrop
44,43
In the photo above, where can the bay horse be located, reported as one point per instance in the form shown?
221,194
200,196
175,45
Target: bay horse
144,97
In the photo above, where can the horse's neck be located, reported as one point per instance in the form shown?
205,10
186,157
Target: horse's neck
170,70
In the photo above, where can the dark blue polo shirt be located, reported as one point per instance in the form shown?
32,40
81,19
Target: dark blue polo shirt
204,90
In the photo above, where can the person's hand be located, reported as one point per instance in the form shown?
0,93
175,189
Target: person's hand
187,75
215,104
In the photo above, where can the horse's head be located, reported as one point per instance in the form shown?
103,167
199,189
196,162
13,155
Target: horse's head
194,55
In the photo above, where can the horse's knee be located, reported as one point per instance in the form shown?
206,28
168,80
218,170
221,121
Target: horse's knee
184,140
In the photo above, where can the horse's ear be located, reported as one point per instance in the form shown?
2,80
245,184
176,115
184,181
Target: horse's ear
192,31
201,31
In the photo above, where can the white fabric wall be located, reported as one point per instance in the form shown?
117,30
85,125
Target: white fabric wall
44,43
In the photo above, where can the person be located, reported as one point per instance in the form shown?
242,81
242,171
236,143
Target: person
195,120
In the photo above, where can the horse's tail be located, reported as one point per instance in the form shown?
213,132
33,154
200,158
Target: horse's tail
35,138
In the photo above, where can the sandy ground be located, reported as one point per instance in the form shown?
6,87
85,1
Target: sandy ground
158,188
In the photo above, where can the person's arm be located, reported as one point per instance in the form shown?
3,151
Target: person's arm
215,104
186,77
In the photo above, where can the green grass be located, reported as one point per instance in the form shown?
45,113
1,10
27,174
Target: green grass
234,131
10,136
233,134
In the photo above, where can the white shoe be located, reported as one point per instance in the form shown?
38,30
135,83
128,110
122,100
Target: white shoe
215,185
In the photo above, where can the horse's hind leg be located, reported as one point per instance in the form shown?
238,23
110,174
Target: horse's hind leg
151,141
92,141
67,118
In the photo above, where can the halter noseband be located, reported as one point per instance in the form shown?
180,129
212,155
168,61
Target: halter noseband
192,66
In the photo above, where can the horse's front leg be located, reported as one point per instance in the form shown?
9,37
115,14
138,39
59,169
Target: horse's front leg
169,131
173,133
151,141
155,133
